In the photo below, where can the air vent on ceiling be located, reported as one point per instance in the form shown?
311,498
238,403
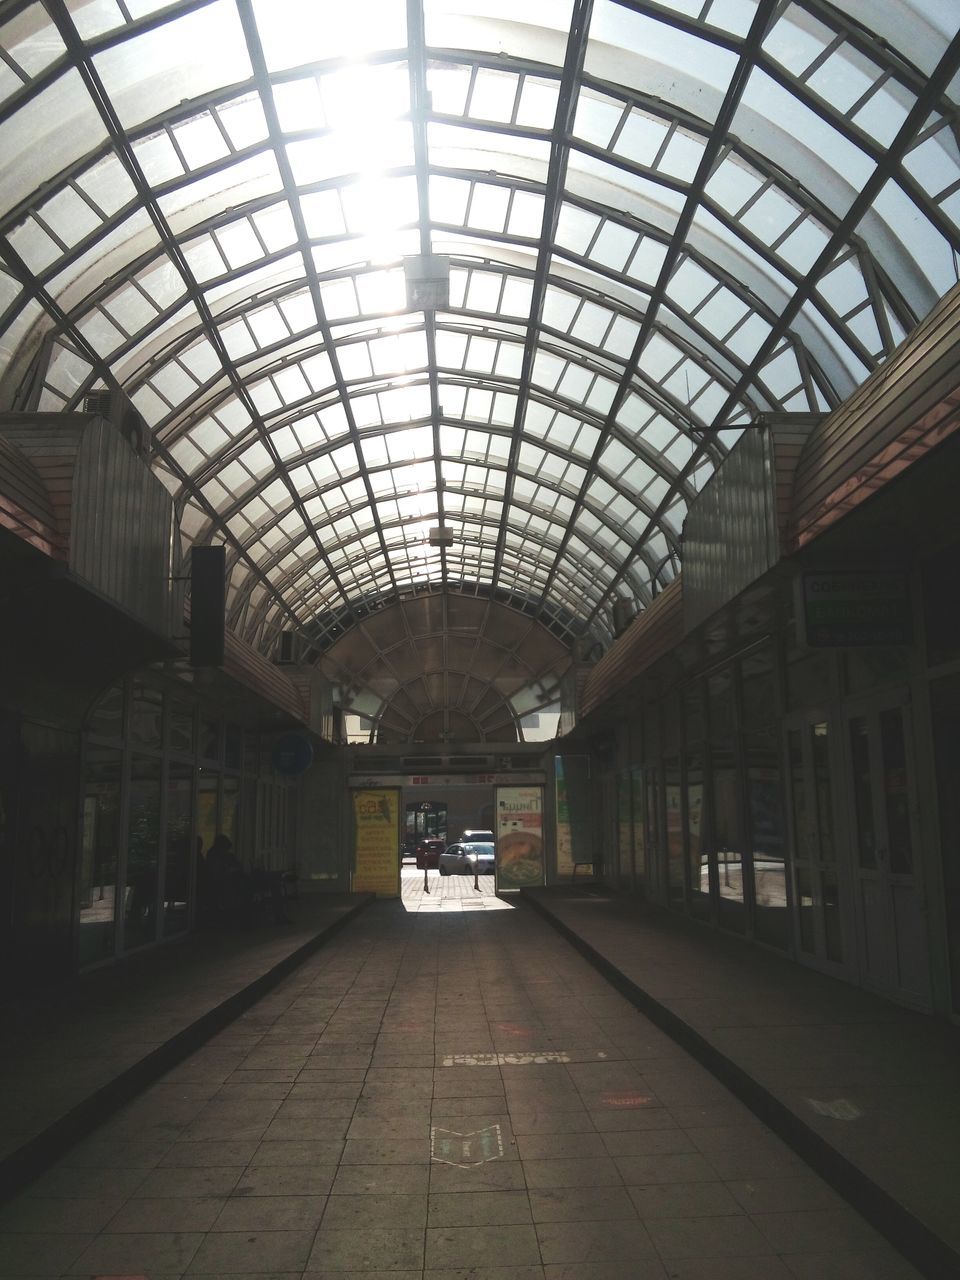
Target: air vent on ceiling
428,282
115,407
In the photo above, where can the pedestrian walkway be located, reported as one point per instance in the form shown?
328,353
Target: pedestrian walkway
445,1089
69,1056
866,1091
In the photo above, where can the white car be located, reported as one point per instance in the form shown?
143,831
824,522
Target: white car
473,835
467,858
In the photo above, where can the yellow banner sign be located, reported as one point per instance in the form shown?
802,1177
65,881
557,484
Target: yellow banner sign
376,848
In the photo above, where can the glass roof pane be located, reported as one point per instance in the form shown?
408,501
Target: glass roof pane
257,310
293,33
169,64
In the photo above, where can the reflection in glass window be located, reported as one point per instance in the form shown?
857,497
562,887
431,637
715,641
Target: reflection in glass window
726,839
673,817
143,853
698,857
767,839
896,791
181,727
146,717
106,719
177,863
100,851
862,792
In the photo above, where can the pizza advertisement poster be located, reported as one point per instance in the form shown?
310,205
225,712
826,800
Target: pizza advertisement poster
520,854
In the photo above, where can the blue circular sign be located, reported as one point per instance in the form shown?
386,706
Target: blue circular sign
292,754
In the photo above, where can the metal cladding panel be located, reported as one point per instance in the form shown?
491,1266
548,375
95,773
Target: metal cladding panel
50,441
121,528
262,677
731,536
902,412
25,507
657,631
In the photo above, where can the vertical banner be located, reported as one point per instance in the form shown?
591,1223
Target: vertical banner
519,837
376,842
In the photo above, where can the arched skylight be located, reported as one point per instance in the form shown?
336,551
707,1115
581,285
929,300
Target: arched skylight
661,220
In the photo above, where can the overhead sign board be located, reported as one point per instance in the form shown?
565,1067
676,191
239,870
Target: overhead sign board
852,607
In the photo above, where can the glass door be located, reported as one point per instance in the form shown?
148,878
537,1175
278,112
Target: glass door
817,898
892,930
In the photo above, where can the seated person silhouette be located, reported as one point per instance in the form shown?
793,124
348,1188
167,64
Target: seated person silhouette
234,893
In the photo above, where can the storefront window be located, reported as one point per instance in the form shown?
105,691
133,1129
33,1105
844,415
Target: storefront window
653,832
181,727
727,841
720,696
177,865
862,792
698,860
100,853
143,853
865,669
767,838
820,743
146,717
624,828
639,824
945,711
896,794
106,719
673,818
230,804
758,696
208,808
694,720
810,680
233,747
209,739
941,606
832,918
803,841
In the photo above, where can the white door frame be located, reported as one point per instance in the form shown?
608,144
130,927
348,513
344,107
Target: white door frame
893,942
806,846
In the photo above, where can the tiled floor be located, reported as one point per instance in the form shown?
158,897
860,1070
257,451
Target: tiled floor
868,1089
445,1091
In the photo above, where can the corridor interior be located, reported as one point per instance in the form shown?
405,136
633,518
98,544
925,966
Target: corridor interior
445,1090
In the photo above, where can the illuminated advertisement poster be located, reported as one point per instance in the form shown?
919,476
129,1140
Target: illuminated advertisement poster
519,837
376,842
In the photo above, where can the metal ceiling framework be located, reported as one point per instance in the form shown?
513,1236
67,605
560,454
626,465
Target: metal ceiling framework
662,219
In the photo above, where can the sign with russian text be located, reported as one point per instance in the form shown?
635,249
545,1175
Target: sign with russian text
376,842
851,607
520,860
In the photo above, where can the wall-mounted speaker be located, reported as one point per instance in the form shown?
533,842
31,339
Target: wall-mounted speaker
208,599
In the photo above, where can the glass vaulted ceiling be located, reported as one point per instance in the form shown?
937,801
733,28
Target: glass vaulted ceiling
662,220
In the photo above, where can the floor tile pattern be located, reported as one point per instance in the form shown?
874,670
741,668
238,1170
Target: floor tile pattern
446,1091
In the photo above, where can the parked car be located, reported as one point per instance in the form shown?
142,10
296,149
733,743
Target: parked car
473,834
429,850
467,858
